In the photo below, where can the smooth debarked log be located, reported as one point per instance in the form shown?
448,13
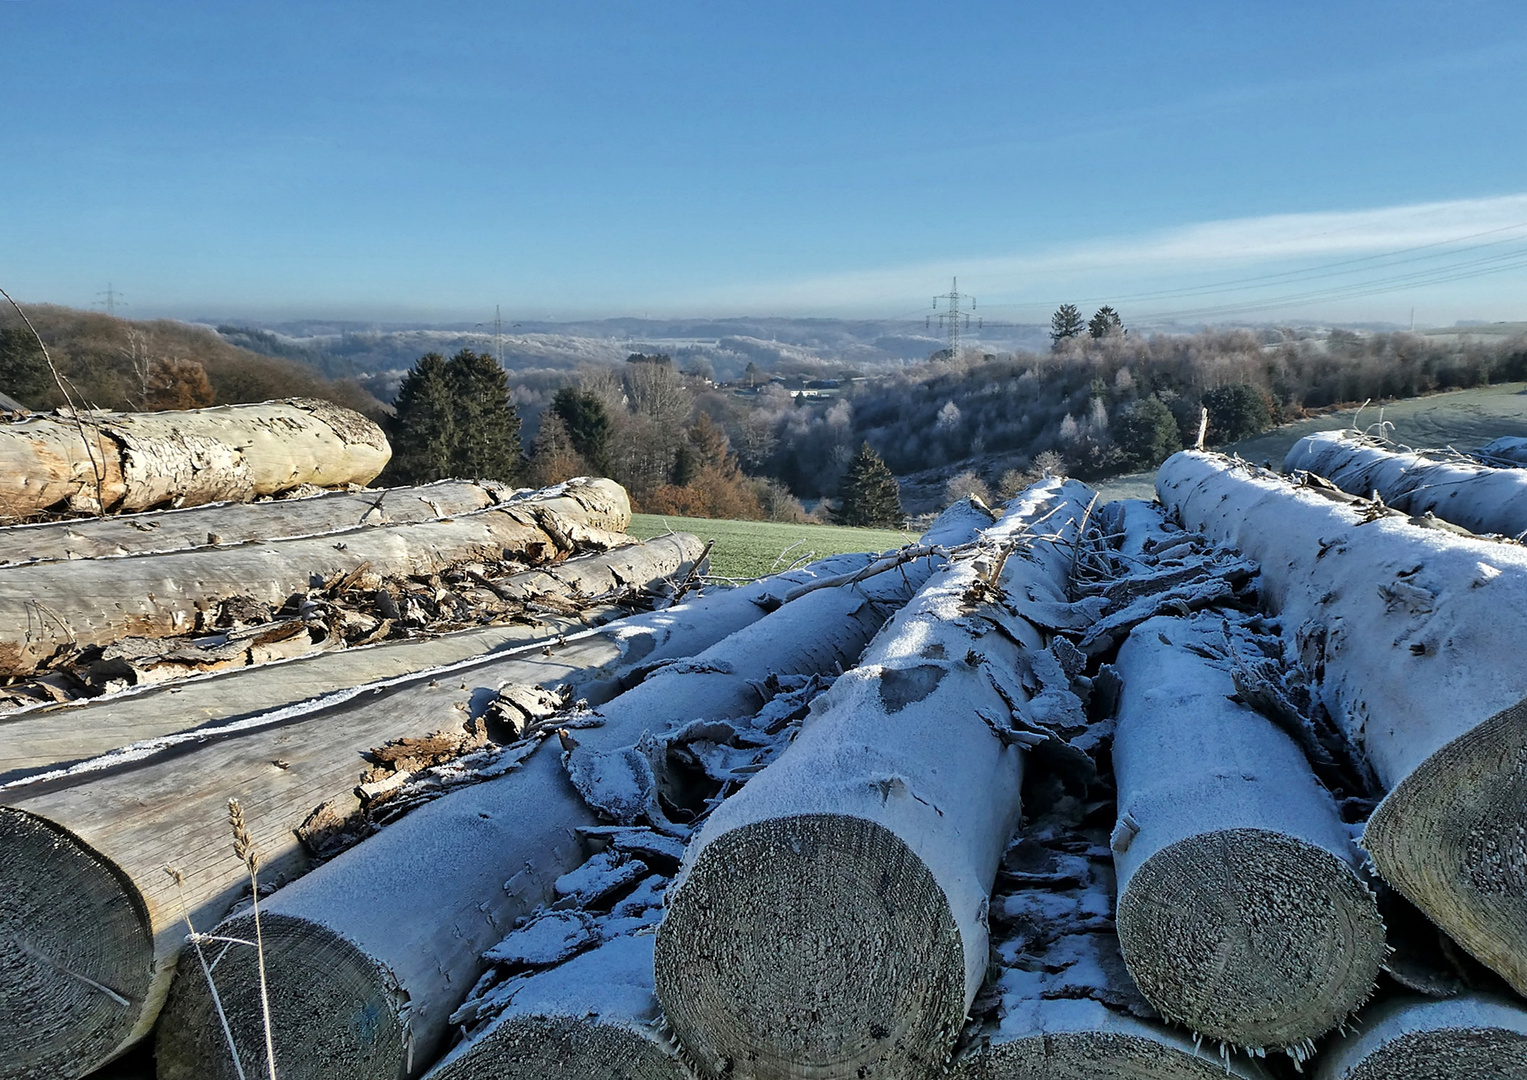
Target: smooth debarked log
1469,1037
830,919
1477,497
122,462
1416,635
160,531
1240,912
1506,452
444,883
54,606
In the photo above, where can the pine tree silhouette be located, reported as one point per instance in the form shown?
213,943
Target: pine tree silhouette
870,494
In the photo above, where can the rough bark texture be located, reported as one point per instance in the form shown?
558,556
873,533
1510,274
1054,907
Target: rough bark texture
52,606
162,531
831,917
1477,497
109,462
1414,634
393,929
1472,1037
1240,912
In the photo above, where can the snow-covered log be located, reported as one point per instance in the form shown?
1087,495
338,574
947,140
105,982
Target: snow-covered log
159,531
393,929
1416,636
49,738
1241,915
1470,1037
1506,452
53,606
831,916
1477,497
108,462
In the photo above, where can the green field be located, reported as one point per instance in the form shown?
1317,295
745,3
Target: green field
749,549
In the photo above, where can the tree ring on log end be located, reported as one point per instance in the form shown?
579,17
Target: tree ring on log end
1452,838
1089,1055
812,946
78,952
553,1046
1251,937
334,1013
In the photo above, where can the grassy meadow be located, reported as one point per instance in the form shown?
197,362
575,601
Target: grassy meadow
750,549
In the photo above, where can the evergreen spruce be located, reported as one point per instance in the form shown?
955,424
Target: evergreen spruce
423,426
1105,323
870,495
1066,323
24,373
588,425
487,442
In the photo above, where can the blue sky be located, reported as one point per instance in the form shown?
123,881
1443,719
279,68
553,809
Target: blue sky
389,161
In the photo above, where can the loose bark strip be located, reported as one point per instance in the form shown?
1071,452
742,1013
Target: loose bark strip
52,606
444,883
1477,497
229,453
160,531
1416,634
1241,915
831,917
1471,1036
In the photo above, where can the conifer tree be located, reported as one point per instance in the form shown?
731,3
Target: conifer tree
423,426
588,425
553,458
870,494
1105,323
487,442
1065,323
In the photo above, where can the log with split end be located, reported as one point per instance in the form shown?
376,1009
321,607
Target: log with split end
1470,1037
1241,914
831,919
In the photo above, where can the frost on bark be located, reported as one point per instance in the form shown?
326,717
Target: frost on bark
1414,634
1472,1035
124,462
445,882
831,917
1466,493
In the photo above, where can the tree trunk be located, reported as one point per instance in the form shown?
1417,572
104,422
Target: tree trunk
109,462
1241,915
160,531
50,738
1416,636
52,606
1470,1036
1477,497
1506,452
83,885
444,883
831,917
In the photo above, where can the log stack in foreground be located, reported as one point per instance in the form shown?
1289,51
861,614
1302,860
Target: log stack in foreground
1469,1037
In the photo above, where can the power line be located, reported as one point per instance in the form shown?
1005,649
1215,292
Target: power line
113,298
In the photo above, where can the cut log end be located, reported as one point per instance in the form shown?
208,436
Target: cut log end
838,956
1450,837
78,952
1471,1035
579,1048
1251,937
1088,1055
329,1004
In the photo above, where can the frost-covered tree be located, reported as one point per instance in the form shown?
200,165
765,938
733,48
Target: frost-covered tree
1066,323
1105,323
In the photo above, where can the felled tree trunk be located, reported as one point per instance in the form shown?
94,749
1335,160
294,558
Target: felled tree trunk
831,917
51,606
1506,452
83,884
1477,497
1416,635
123,462
1240,912
444,883
1473,1035
161,531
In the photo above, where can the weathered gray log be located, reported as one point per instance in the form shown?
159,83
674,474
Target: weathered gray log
830,919
83,884
50,606
49,738
1506,452
1477,497
1241,915
160,531
107,462
1470,1037
442,884
1416,633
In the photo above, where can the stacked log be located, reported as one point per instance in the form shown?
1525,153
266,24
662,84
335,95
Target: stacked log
1415,634
51,607
831,916
1472,1035
389,934
95,462
84,886
1506,452
1477,497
